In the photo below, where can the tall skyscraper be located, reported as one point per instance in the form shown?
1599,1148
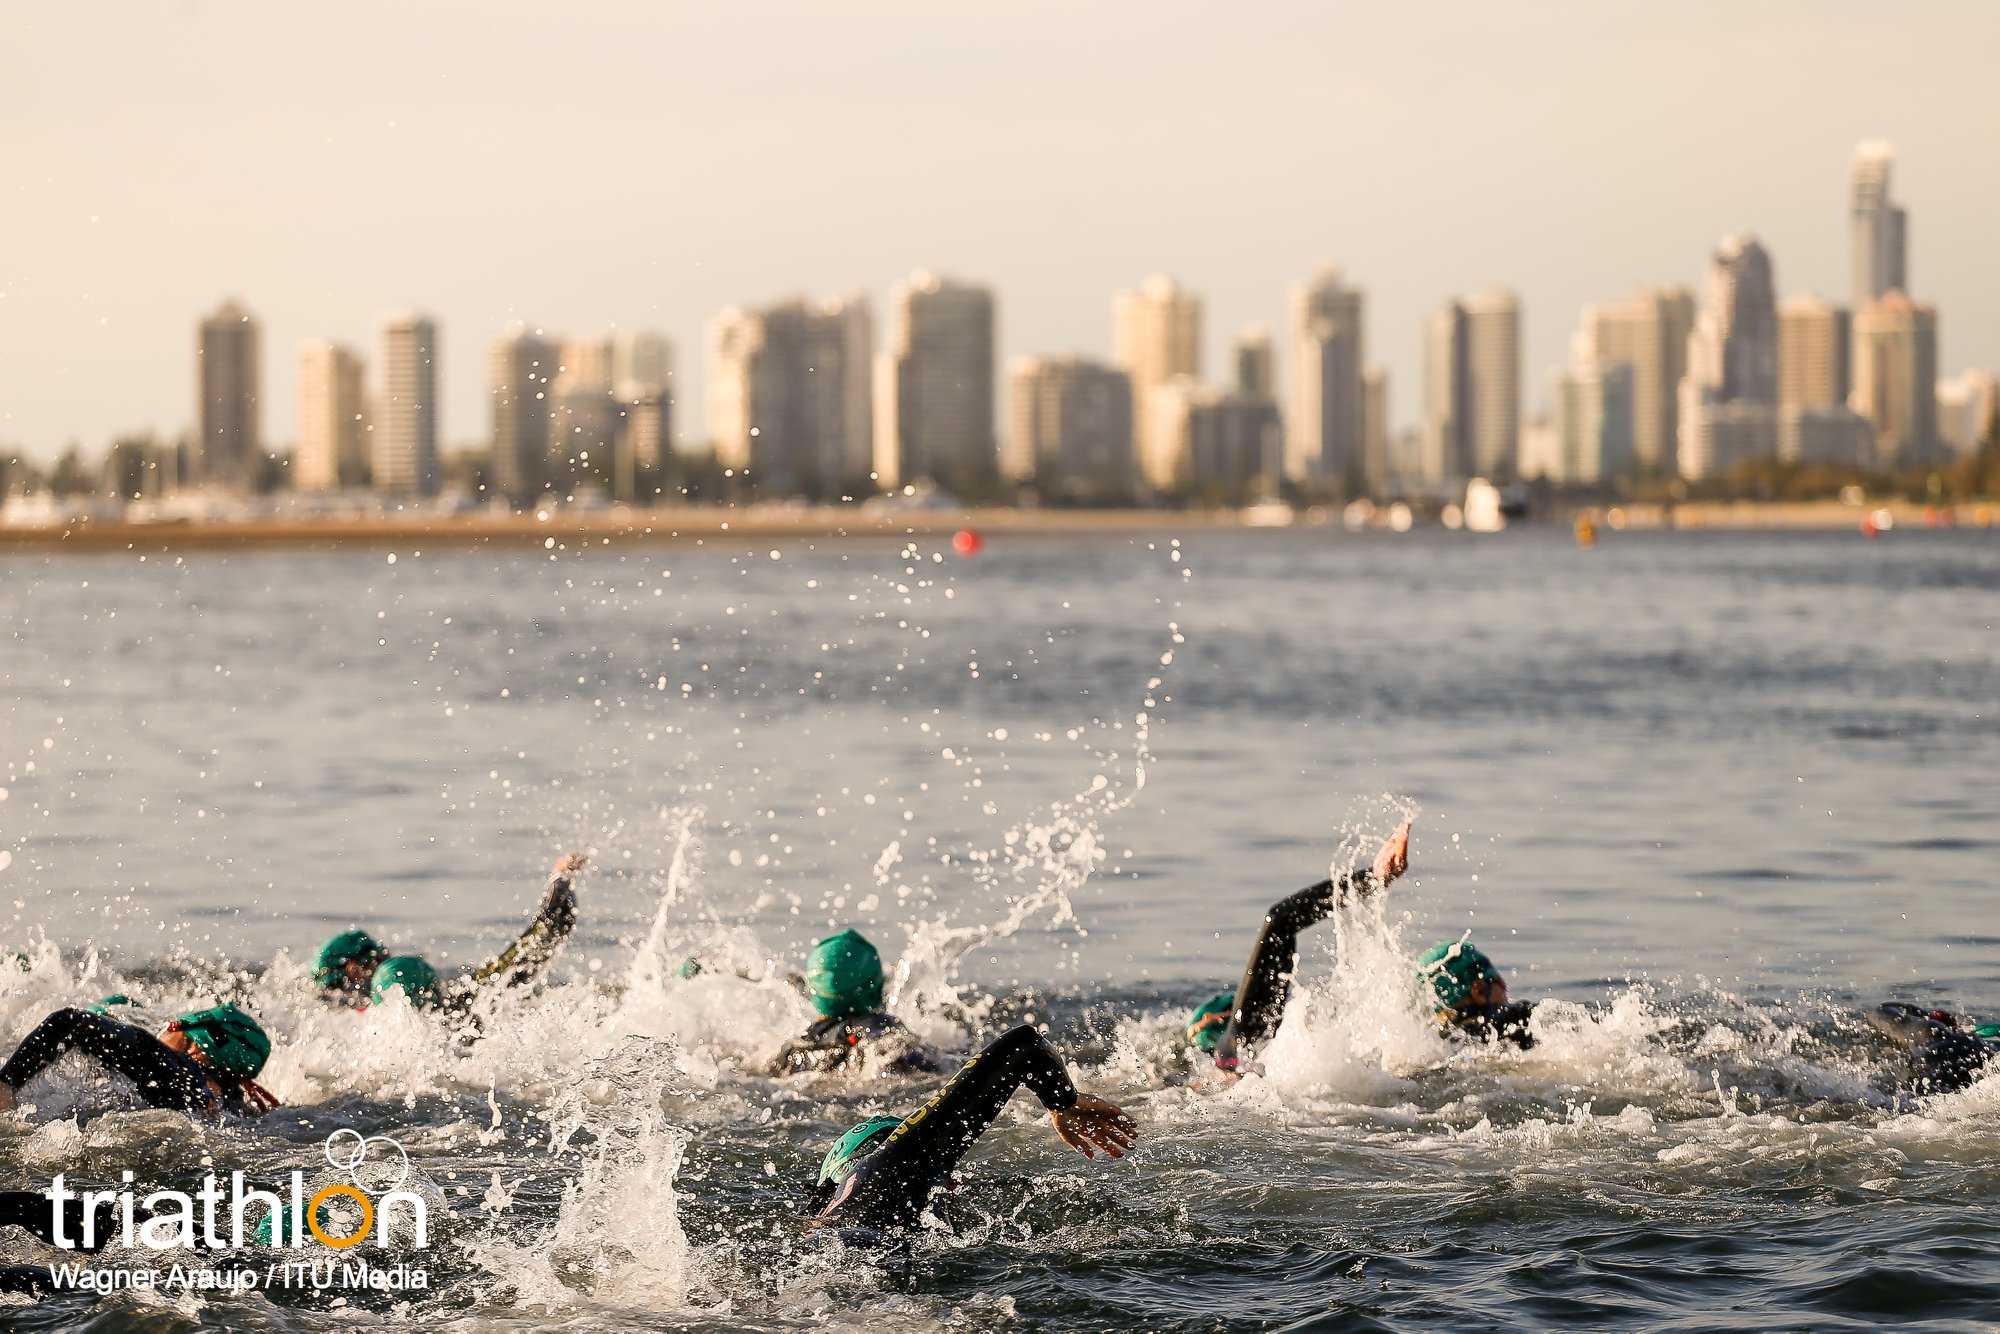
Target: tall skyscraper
1378,468
641,361
1813,351
228,404
1966,404
1877,226
1070,428
1895,377
1649,333
1591,424
1472,386
1256,362
1729,396
333,419
934,393
521,367
406,410
1155,336
584,417
1326,442
782,395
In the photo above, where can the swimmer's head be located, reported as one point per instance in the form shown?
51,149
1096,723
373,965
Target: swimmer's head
844,975
1457,971
226,1038
411,975
1205,1025
346,962
852,1147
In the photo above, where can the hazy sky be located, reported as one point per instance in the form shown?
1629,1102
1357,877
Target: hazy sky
644,164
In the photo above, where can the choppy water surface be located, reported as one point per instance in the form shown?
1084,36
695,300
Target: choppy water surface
1713,793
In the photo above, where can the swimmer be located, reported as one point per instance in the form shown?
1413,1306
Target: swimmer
206,1061
346,968
1472,995
35,1213
1232,1025
883,1173
843,980
1945,1055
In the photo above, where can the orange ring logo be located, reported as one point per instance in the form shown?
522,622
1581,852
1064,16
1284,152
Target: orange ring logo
353,1193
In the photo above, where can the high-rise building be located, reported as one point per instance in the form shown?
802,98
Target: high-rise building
1222,443
1256,362
521,369
1327,440
1070,429
786,401
1649,333
642,361
934,393
1729,396
1590,427
1472,386
405,454
228,405
333,419
584,415
1378,468
1155,336
1813,351
1827,433
1895,376
1966,404
1447,395
1877,226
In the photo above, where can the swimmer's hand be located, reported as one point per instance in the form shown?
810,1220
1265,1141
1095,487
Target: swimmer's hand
1394,858
1095,1126
571,864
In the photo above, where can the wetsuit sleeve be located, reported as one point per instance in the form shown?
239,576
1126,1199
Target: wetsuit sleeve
890,1186
165,1077
34,1213
524,960
1267,980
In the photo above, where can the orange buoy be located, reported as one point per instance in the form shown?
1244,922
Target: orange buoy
1868,528
967,542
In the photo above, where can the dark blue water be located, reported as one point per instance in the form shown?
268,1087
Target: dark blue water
1714,793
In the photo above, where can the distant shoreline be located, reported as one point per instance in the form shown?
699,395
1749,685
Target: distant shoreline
687,526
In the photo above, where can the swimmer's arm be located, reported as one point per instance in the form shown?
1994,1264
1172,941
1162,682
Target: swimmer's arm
523,961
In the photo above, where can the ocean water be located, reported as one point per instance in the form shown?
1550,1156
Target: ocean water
1713,794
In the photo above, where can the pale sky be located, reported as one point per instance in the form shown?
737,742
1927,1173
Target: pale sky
644,164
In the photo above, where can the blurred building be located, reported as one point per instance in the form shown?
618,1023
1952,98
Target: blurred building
788,394
1155,337
1729,395
1649,333
1070,429
333,419
1256,362
1377,467
1895,377
1966,406
1877,228
642,361
228,404
521,368
405,447
1814,340
1825,433
1472,386
1217,443
584,416
934,390
1327,440
1590,425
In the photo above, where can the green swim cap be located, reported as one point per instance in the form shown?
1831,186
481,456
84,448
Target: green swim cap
1203,1033
115,998
418,980
231,1039
844,974
352,946
690,967
855,1145
1991,1032
1451,967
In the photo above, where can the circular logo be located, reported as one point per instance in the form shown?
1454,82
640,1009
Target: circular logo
347,1151
354,1193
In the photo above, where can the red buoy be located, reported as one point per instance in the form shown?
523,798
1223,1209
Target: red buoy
967,542
1868,528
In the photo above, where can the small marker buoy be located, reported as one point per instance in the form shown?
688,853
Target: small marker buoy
967,542
1868,528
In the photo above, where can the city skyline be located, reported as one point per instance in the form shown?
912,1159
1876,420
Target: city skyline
1357,140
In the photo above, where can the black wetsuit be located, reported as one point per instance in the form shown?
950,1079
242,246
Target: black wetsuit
890,1187
1944,1058
524,961
877,1042
165,1077
1267,981
1491,1023
34,1213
